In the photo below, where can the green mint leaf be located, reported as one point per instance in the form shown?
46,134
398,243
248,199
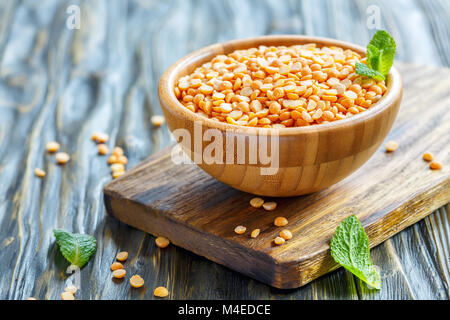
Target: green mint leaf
76,248
373,57
381,52
350,248
364,70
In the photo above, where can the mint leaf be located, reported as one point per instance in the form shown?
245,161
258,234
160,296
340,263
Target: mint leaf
350,248
373,57
364,70
381,52
76,248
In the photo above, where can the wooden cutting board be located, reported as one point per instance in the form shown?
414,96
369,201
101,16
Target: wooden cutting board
389,193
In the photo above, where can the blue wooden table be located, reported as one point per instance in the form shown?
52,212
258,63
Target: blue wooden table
58,82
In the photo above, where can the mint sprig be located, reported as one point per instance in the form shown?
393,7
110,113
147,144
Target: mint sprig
350,248
76,248
380,56
364,70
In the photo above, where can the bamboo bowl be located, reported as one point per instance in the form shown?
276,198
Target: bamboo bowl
309,158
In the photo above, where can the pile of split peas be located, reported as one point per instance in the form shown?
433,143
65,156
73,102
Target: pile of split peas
279,87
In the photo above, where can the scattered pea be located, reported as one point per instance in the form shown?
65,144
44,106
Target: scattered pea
280,221
391,146
39,173
116,266
102,149
119,273
122,159
117,174
117,167
62,158
52,147
112,159
435,165
162,242
100,137
94,136
122,256
256,202
161,292
117,151
240,229
428,156
136,281
286,234
279,241
67,296
255,233
270,206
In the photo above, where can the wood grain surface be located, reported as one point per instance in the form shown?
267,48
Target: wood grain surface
61,84
389,193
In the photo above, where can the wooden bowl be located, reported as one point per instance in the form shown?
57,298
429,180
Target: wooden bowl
310,158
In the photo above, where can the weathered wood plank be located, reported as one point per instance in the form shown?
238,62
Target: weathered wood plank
63,84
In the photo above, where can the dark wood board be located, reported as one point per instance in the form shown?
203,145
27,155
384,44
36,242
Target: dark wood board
62,84
389,193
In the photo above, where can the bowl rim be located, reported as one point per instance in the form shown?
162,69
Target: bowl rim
196,58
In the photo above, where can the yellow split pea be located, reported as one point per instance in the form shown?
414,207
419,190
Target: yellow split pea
39,173
116,266
62,158
102,149
162,242
115,167
122,256
279,87
270,206
286,234
112,159
161,292
100,137
391,146
255,233
256,202
117,174
435,165
52,147
427,156
240,229
119,273
122,159
136,281
117,151
279,241
67,296
280,221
